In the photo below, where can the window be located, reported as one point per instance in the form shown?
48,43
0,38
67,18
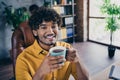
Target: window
97,24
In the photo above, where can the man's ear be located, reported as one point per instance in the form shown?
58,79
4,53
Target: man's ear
34,32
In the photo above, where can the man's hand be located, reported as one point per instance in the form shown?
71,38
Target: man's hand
72,55
49,64
52,63
82,73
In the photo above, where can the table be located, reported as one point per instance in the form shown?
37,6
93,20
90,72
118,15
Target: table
103,75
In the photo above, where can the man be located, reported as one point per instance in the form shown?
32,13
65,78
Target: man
35,62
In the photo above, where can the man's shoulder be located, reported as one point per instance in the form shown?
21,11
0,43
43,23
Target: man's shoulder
26,51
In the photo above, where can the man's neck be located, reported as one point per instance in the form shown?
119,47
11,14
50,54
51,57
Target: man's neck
44,46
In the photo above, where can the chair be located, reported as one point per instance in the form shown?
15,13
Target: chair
22,37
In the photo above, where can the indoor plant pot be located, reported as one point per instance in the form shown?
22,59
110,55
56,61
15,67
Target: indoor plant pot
111,51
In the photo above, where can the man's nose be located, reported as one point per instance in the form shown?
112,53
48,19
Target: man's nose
50,30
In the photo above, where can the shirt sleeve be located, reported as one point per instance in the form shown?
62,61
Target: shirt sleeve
73,71
21,71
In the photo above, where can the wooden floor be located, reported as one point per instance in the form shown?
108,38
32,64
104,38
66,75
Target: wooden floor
6,70
94,56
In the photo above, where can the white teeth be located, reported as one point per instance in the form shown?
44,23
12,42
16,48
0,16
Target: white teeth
49,37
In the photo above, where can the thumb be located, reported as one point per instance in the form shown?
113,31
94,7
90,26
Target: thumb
48,54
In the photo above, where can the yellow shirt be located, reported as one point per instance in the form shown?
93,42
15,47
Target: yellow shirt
31,58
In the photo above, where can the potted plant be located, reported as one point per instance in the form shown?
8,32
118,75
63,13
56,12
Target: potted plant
112,12
14,16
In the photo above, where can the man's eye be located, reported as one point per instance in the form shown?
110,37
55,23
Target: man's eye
43,27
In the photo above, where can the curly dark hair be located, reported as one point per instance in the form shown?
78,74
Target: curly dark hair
44,14
33,8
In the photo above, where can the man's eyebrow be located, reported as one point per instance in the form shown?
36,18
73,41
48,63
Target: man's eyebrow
42,24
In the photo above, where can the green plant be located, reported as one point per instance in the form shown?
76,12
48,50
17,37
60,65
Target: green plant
14,16
112,12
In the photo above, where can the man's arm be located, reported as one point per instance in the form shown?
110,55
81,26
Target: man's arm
21,70
81,71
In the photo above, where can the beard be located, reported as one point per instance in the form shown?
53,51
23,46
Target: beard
48,43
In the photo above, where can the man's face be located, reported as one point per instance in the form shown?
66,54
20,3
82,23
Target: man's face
47,33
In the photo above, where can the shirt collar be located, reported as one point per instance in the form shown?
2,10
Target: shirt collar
38,49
